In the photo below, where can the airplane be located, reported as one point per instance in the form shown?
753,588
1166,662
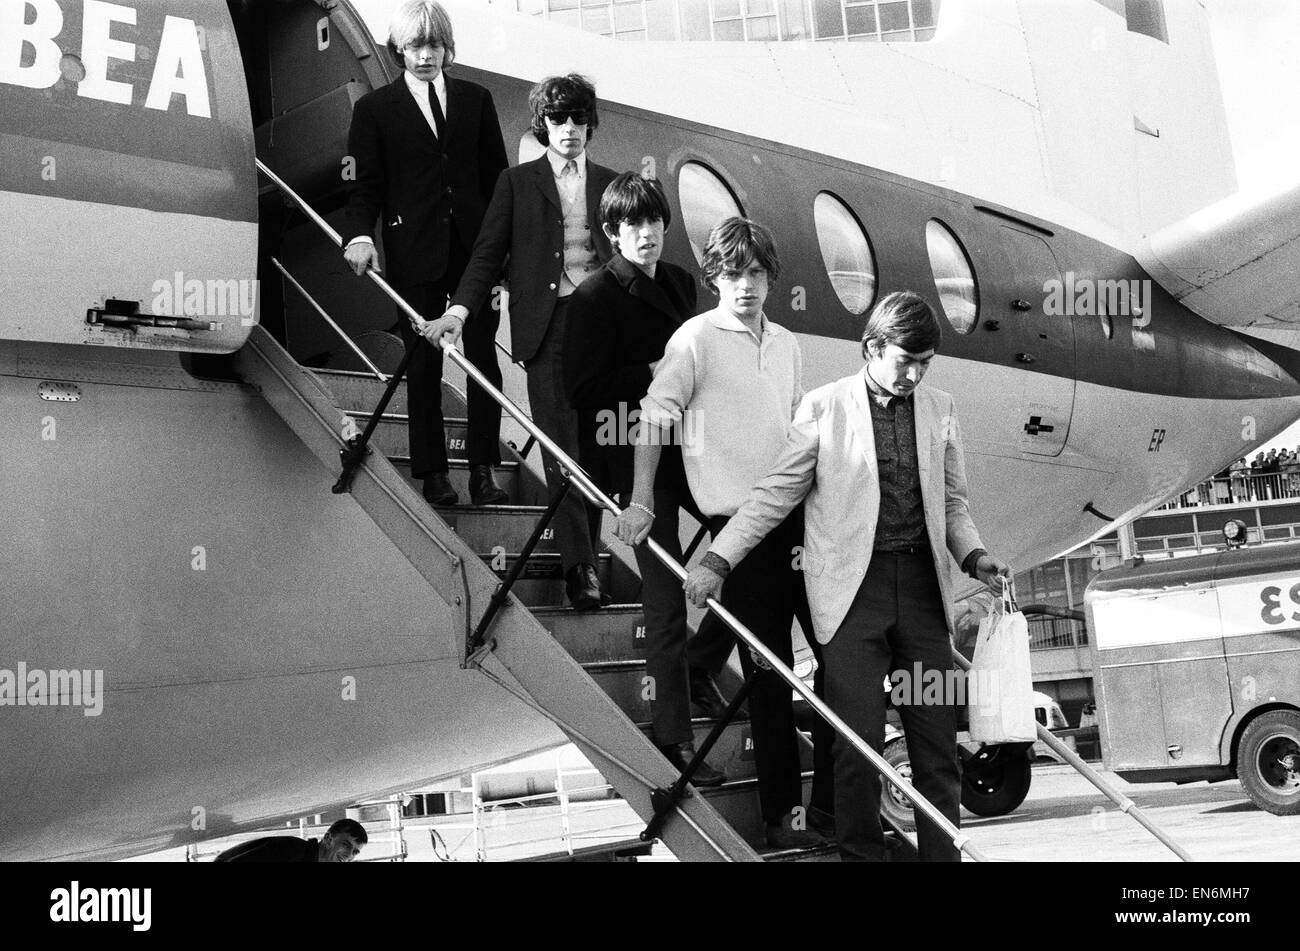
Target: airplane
1056,179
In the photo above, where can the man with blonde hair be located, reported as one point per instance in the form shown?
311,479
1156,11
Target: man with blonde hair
427,151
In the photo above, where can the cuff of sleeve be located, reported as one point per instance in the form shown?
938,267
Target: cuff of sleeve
970,561
654,413
715,563
362,239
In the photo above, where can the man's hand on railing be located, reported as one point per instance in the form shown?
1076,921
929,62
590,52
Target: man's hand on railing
361,255
449,325
633,524
701,584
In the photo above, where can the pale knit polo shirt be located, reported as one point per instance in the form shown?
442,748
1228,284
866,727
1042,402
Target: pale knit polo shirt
731,399
580,260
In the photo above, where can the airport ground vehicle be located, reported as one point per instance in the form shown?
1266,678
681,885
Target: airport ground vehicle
1197,670
995,779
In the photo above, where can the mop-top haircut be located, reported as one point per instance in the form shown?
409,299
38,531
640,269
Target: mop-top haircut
557,95
732,244
633,198
904,319
420,22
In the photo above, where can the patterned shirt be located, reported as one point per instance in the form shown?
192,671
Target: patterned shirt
902,512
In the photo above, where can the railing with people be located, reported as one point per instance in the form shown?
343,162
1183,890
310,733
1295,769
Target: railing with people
666,801
1246,487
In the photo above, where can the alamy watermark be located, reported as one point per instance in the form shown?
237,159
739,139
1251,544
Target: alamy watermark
1090,297
920,687
622,427
35,687
179,296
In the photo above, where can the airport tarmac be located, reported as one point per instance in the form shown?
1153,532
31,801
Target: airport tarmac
1063,819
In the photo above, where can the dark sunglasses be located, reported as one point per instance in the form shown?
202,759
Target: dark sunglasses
559,116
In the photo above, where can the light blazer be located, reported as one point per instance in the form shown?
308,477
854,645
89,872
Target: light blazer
525,221
830,458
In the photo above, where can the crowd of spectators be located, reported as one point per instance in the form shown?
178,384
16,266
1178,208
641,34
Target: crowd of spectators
1271,475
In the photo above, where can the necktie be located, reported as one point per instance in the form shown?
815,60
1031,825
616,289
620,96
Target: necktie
569,178
439,120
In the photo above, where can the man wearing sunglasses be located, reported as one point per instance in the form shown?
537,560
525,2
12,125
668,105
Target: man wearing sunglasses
544,220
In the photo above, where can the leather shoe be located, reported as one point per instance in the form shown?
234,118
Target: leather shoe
821,822
438,489
782,835
679,754
705,696
583,587
483,488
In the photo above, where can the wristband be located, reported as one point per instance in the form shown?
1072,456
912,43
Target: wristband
639,506
716,563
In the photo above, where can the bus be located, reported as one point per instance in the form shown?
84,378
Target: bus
1196,665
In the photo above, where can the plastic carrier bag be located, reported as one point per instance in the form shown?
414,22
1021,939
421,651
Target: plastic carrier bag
1002,702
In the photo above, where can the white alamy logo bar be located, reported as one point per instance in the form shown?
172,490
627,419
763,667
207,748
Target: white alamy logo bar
36,687
103,904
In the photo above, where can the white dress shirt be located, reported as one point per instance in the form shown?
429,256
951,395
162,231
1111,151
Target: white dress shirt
420,90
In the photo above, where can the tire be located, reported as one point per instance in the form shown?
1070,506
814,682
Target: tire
894,806
998,785
1268,762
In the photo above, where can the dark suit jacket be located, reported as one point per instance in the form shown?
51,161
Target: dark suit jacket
422,187
526,222
618,324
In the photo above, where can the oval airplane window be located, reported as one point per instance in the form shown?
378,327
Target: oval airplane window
705,200
953,277
845,252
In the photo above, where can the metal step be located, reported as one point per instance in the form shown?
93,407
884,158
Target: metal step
737,802
508,477
392,435
624,681
542,583
361,391
614,633
358,391
488,527
734,751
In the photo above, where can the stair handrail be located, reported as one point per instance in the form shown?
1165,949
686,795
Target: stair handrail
584,483
357,351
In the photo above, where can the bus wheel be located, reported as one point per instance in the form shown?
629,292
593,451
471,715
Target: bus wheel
999,785
893,804
1268,762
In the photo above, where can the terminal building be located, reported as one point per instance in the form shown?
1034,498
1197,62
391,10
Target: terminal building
895,21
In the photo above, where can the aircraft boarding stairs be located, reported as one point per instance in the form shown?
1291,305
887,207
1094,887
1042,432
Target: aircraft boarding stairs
584,672
608,643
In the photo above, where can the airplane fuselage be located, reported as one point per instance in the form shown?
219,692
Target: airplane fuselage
170,517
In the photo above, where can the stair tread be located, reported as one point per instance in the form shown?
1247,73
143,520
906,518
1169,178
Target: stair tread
619,609
828,852
458,464
403,417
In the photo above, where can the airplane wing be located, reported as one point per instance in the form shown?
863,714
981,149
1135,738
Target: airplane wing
1236,262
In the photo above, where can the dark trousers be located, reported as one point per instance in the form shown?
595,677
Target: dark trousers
424,375
670,651
577,522
896,620
765,592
